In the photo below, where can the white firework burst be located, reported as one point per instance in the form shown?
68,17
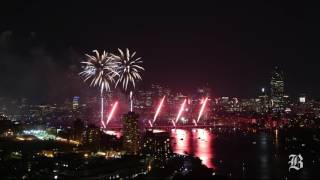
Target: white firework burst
129,68
102,69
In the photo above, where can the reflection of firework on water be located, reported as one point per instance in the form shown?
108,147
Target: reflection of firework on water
128,68
101,69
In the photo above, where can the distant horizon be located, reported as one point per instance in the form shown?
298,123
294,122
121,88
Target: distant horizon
94,92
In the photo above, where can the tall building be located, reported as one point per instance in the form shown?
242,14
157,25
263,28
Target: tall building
75,102
78,129
264,101
302,104
277,90
131,135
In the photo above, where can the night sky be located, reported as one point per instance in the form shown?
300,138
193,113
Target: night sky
232,47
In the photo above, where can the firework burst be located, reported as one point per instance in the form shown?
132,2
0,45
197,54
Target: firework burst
129,68
101,69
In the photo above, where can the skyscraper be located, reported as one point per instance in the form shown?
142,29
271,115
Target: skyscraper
264,101
131,134
75,102
277,90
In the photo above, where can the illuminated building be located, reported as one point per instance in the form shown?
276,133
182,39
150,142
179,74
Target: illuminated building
264,101
131,134
224,101
229,104
277,90
249,105
157,145
234,105
75,102
302,98
302,105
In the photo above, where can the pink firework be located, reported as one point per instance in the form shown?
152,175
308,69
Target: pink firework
158,109
112,112
202,109
150,124
180,112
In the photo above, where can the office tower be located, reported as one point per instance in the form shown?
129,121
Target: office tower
277,90
75,102
264,101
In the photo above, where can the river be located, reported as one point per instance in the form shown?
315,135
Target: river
243,154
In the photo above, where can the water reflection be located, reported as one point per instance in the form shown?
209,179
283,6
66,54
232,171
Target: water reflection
276,138
239,153
198,142
204,150
181,143
263,155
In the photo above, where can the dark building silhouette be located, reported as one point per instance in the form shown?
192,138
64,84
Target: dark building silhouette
131,135
92,137
78,130
157,145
